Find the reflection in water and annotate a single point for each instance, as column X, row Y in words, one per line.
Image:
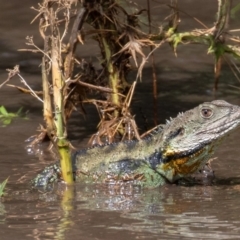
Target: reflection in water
column 2, row 213
column 52, row 214
column 101, row 212
column 172, row 211
column 67, row 207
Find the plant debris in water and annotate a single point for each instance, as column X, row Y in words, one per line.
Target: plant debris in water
column 7, row 117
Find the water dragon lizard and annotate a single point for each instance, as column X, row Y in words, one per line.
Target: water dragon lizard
column 173, row 151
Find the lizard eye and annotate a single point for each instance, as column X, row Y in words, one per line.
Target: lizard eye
column 206, row 112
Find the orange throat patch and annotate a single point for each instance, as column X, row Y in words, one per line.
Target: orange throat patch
column 188, row 164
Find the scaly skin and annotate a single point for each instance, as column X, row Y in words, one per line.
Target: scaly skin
column 175, row 150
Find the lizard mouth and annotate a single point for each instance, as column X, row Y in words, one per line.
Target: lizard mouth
column 222, row 130
column 187, row 162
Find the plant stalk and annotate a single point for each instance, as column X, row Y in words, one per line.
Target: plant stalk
column 58, row 98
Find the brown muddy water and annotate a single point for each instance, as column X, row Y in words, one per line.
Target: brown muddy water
column 90, row 212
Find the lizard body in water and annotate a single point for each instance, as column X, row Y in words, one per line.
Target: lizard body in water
column 173, row 151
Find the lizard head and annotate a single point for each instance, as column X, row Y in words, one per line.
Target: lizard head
column 189, row 140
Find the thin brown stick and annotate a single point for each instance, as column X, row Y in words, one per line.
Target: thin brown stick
column 98, row 88
column 154, row 75
column 69, row 60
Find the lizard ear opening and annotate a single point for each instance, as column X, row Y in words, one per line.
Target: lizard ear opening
column 179, row 132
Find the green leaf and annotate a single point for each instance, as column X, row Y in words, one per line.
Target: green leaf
column 12, row 115
column 19, row 112
column 234, row 11
column 2, row 187
column 6, row 121
column 3, row 111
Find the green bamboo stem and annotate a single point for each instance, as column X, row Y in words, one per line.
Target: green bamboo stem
column 58, row 86
column 112, row 71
